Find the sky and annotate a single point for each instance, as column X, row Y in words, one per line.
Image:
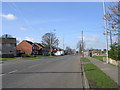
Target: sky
column 31, row 20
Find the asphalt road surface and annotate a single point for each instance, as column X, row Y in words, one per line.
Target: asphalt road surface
column 56, row 72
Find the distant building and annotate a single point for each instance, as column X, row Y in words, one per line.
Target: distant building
column 59, row 52
column 7, row 46
column 95, row 52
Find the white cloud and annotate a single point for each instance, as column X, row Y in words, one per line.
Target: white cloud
column 94, row 38
column 95, row 41
column 23, row 29
column 8, row 16
column 32, row 39
column 19, row 39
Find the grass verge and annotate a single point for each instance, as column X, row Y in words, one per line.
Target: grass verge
column 99, row 57
column 85, row 60
column 29, row 57
column 5, row 59
column 97, row 78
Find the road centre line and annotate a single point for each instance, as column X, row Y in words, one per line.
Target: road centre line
column 1, row 75
column 33, row 66
column 12, row 71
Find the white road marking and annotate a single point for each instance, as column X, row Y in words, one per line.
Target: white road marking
column 12, row 71
column 33, row 66
column 1, row 75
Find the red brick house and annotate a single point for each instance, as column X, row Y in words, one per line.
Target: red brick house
column 29, row 48
column 40, row 48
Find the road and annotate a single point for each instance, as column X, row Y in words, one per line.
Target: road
column 57, row 72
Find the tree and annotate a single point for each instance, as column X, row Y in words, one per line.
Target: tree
column 68, row 50
column 113, row 20
column 80, row 46
column 113, row 53
column 50, row 41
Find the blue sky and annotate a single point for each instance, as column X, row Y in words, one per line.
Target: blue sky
column 25, row 20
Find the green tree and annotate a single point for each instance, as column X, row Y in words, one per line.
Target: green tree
column 114, row 52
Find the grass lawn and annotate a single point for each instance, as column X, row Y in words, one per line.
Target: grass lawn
column 30, row 57
column 85, row 60
column 97, row 78
column 99, row 57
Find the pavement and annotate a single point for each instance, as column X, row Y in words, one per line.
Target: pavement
column 110, row 70
column 57, row 72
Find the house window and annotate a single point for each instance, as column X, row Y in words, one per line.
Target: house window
column 12, row 45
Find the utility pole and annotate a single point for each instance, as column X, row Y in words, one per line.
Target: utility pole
column 82, row 46
column 63, row 43
column 50, row 44
column 110, row 37
column 106, row 32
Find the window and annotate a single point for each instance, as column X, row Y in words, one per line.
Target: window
column 9, row 44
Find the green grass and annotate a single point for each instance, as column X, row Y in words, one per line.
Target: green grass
column 29, row 57
column 85, row 60
column 99, row 57
column 97, row 78
column 5, row 59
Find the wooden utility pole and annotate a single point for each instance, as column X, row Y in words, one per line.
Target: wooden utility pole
column 106, row 32
column 82, row 46
column 110, row 38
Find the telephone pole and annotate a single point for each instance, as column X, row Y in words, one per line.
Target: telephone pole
column 63, row 43
column 106, row 32
column 110, row 37
column 82, row 46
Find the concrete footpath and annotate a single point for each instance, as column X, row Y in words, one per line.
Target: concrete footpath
column 110, row 70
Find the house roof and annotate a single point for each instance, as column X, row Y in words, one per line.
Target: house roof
column 29, row 42
column 41, row 45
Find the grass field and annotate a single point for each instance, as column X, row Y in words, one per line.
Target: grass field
column 99, row 57
column 97, row 78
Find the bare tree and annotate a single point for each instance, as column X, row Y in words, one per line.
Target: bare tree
column 50, row 40
column 80, row 46
column 113, row 20
column 68, row 50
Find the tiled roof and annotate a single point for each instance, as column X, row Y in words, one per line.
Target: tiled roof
column 41, row 45
column 29, row 42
